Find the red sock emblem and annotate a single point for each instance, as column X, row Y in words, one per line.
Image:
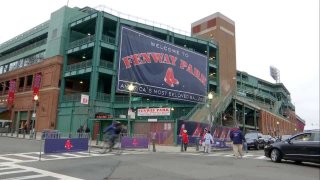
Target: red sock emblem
column 169, row 78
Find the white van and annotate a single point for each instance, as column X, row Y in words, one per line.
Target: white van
column 5, row 125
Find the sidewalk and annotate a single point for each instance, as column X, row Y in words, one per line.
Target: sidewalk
column 166, row 148
column 159, row 148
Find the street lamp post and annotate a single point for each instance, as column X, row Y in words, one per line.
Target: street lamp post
column 130, row 88
column 35, row 98
column 210, row 97
column 278, row 129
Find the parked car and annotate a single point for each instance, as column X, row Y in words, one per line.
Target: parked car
column 300, row 147
column 255, row 140
column 268, row 139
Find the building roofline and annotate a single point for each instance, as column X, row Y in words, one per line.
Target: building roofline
column 212, row 16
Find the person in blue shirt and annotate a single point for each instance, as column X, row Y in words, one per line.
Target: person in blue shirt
column 113, row 130
column 237, row 138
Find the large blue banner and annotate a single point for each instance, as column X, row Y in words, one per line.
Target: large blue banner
column 157, row 68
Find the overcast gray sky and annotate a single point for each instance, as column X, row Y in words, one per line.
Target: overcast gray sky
column 282, row 33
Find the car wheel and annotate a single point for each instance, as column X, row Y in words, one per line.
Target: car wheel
column 275, row 155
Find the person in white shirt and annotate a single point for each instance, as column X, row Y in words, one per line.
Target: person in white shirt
column 207, row 140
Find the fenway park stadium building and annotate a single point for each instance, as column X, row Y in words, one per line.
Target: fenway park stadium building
column 87, row 67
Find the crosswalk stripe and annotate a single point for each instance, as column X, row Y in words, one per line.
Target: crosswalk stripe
column 26, row 156
column 261, row 157
column 6, row 168
column 248, row 155
column 43, row 172
column 85, row 153
column 73, row 155
column 216, row 154
column 228, row 155
column 56, row 156
column 10, row 159
column 27, row 177
column 12, row 172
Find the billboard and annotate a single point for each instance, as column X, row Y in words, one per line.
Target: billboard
column 158, row 68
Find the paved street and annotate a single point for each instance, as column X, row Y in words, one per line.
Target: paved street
column 167, row 163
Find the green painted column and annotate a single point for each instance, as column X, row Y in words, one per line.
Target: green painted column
column 244, row 118
column 255, row 119
column 235, row 113
column 115, row 65
column 175, row 131
column 94, row 79
column 218, row 72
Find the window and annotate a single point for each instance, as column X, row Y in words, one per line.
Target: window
column 29, row 80
column 315, row 136
column 21, row 82
column 302, row 137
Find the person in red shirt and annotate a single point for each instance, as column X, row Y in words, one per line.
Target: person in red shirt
column 185, row 139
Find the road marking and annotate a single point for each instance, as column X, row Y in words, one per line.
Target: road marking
column 27, row 177
column 10, row 159
column 261, row 157
column 216, row 154
column 229, row 155
column 26, row 156
column 5, row 168
column 73, row 155
column 13, row 172
column 56, row 156
column 41, row 173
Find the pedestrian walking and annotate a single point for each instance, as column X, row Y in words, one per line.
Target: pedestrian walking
column 185, row 139
column 208, row 140
column 237, row 138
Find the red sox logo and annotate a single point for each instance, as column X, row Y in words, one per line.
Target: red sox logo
column 68, row 144
column 170, row 79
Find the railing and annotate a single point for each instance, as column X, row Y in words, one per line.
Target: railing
column 80, row 65
column 25, row 34
column 73, row 96
column 108, row 39
column 212, row 78
column 193, row 110
column 103, row 97
column 22, row 50
column 81, row 41
column 223, row 104
column 106, row 64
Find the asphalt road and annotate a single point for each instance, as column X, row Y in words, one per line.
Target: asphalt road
column 19, row 158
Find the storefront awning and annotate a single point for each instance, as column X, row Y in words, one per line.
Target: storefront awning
column 109, row 119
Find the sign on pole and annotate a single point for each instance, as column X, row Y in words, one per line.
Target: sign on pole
column 84, row 99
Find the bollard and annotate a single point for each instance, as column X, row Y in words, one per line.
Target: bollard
column 24, row 135
column 153, row 145
column 154, row 142
column 181, row 145
column 97, row 140
column 34, row 135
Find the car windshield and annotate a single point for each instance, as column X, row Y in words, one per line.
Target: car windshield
column 251, row 135
column 285, row 137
